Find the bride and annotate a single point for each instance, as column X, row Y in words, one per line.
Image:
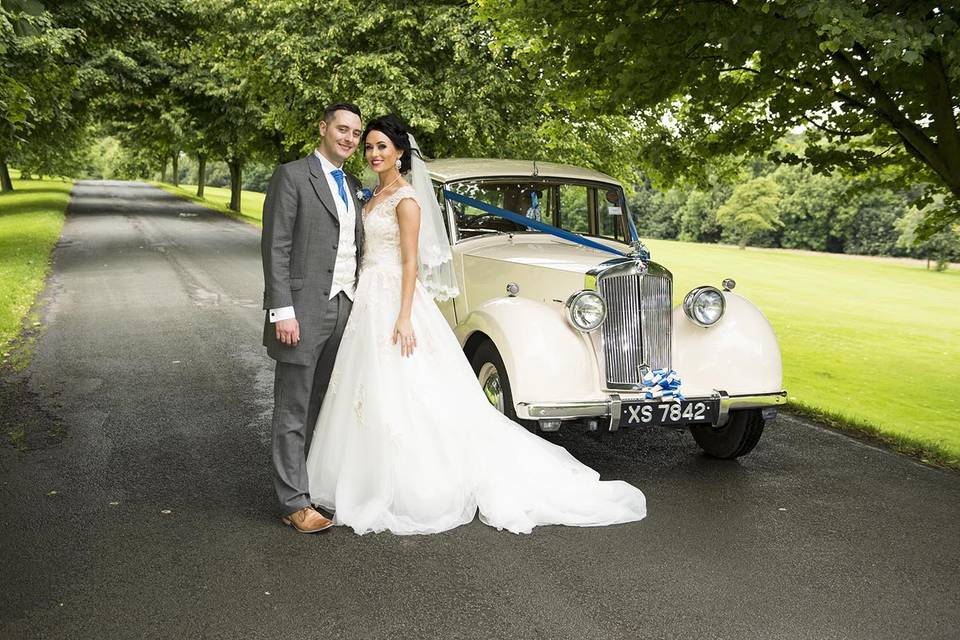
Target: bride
column 406, row 441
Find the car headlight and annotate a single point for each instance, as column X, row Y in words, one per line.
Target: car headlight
column 704, row 306
column 586, row 310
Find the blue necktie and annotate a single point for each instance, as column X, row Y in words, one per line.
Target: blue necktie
column 338, row 176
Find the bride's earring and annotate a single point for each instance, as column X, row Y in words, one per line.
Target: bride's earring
column 397, row 163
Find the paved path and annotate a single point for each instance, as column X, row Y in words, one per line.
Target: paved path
column 146, row 407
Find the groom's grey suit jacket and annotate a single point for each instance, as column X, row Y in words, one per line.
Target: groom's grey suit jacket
column 301, row 233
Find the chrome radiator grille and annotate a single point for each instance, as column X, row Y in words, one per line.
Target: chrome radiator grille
column 638, row 325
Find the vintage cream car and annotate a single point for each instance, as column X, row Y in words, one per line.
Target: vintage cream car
column 561, row 333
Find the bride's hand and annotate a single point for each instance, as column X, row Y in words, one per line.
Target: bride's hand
column 403, row 332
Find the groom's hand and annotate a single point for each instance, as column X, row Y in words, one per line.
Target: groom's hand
column 288, row 332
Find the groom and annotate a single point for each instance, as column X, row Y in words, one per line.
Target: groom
column 311, row 242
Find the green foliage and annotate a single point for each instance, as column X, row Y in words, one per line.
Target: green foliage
column 751, row 208
column 872, row 229
column 813, row 209
column 942, row 247
column 654, row 212
column 697, row 215
column 428, row 62
column 37, row 79
column 875, row 80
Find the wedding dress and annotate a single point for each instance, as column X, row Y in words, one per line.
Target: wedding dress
column 411, row 445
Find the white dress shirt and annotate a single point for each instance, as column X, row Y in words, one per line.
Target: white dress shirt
column 345, row 269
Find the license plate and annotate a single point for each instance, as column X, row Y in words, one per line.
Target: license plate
column 659, row 413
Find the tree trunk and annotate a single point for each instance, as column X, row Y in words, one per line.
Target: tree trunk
column 163, row 169
column 6, row 184
column 176, row 169
column 236, row 175
column 201, row 173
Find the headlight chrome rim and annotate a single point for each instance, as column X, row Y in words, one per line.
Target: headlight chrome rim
column 575, row 304
column 695, row 312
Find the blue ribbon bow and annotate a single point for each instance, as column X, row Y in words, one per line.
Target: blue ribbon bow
column 661, row 384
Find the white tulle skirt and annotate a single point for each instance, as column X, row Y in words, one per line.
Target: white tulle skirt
column 412, row 446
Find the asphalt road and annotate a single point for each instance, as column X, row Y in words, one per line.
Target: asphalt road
column 144, row 509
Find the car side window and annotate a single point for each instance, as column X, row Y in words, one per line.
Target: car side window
column 610, row 213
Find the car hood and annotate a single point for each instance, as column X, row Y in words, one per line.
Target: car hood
column 539, row 250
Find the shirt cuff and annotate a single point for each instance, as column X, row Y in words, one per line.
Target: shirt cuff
column 283, row 313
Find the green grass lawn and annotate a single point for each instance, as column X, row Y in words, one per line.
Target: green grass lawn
column 871, row 342
column 31, row 217
column 251, row 202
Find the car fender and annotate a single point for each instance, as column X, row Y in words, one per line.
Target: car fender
column 739, row 354
column 546, row 358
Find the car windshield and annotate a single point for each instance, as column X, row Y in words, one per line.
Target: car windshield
column 587, row 208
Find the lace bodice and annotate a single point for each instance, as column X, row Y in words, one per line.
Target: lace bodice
column 382, row 232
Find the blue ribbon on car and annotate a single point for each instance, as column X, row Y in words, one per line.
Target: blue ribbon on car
column 535, row 224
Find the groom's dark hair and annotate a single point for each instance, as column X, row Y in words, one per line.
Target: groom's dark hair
column 340, row 106
column 392, row 127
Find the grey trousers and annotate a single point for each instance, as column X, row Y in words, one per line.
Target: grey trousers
column 298, row 392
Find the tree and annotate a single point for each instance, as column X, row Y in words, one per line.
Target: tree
column 36, row 84
column 943, row 247
column 751, row 208
column 429, row 62
column 876, row 79
column 225, row 116
column 814, row 209
column 697, row 216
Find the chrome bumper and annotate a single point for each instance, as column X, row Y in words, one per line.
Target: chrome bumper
column 611, row 407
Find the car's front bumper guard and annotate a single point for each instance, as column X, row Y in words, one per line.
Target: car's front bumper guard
column 558, row 411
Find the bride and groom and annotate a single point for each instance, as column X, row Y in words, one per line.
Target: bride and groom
column 403, row 438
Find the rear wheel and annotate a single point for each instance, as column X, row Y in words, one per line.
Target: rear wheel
column 492, row 375
column 736, row 438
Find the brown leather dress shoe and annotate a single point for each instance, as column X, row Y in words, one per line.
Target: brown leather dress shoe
column 307, row 520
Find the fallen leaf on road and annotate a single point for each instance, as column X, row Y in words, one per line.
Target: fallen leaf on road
column 166, row 512
column 52, row 493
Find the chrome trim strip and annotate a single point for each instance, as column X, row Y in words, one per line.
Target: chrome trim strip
column 610, row 406
column 757, row 401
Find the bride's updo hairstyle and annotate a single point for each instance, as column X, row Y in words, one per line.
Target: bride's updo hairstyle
column 392, row 127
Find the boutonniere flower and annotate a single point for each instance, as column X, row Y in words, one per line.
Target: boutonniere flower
column 364, row 194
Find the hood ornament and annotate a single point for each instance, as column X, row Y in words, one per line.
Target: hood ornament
column 639, row 251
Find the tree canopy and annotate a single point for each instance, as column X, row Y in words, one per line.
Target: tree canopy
column 697, row 93
column 876, row 80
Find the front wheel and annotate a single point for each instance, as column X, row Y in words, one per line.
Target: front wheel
column 736, row 438
column 492, row 375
